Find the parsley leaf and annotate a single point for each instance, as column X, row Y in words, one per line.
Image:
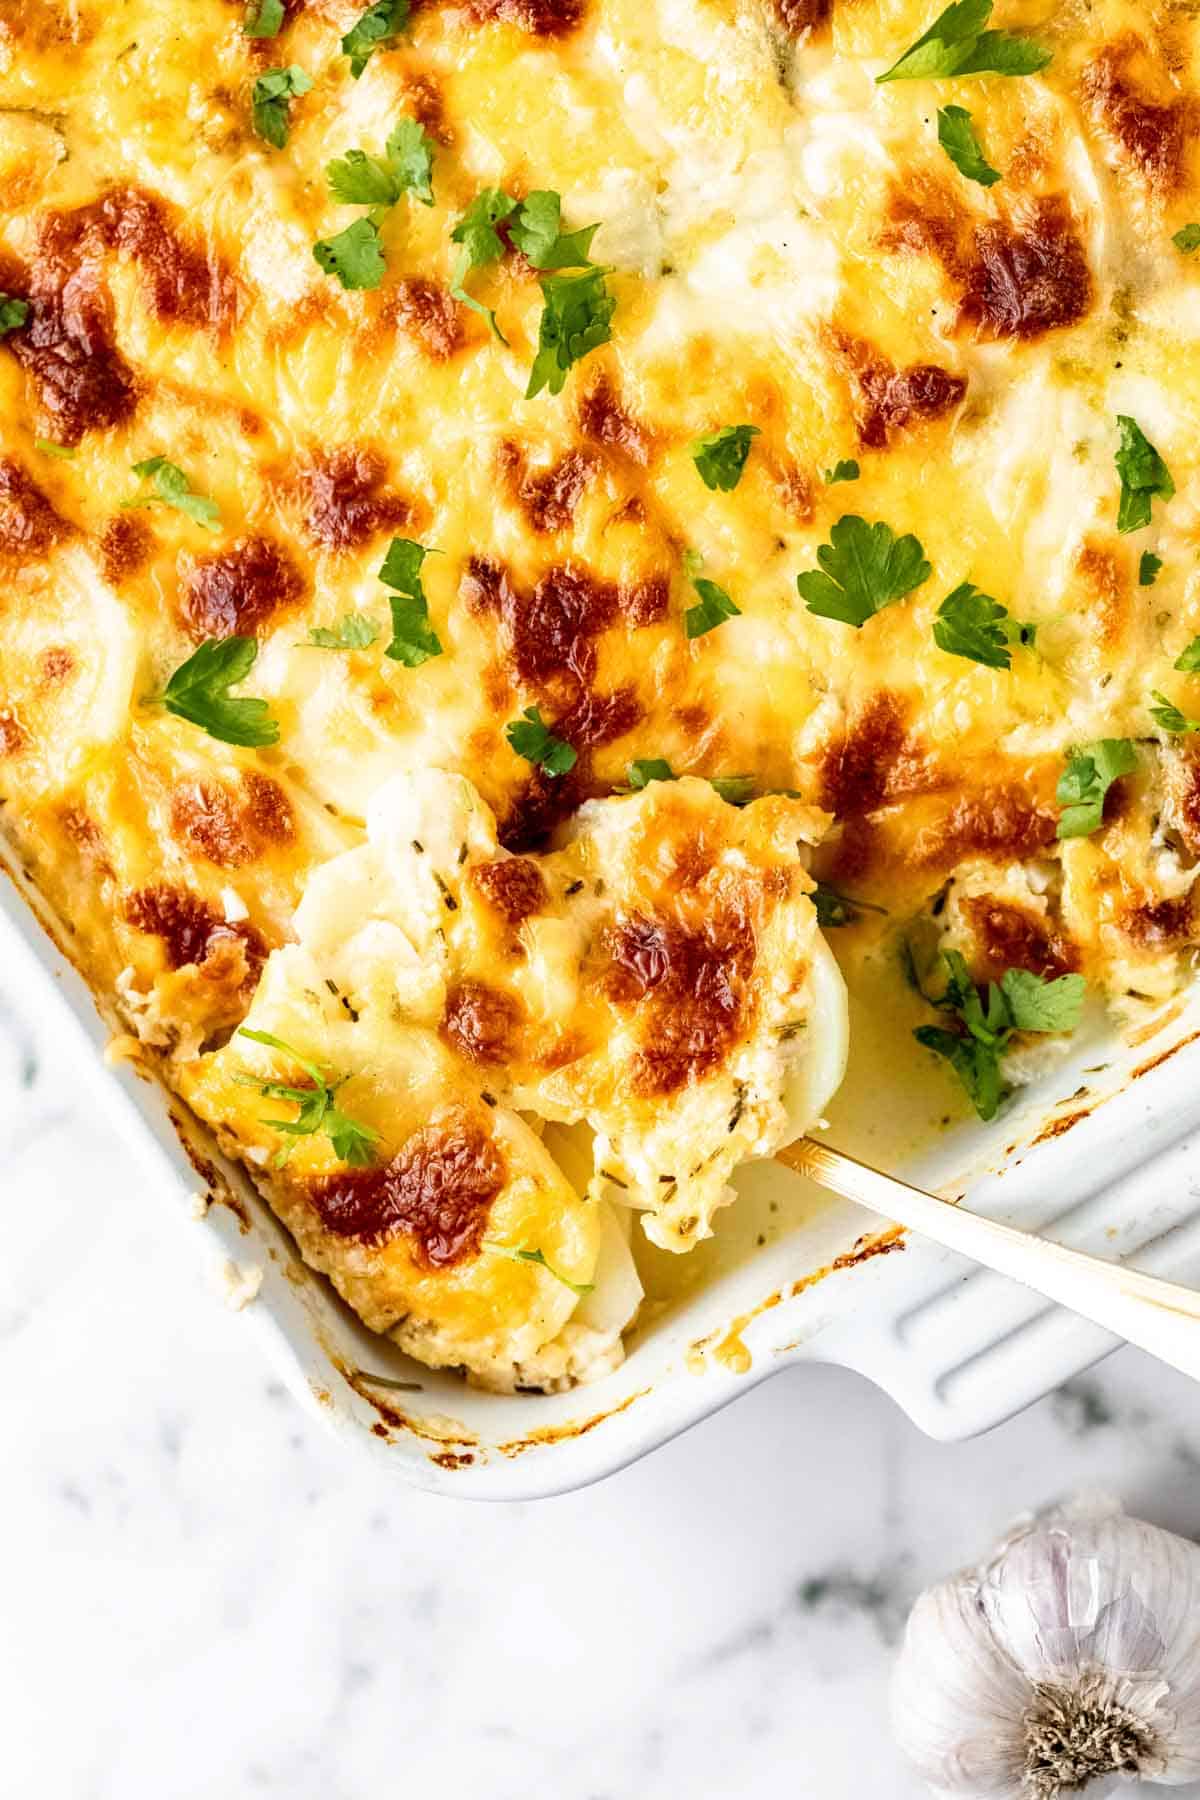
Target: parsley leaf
column 648, row 769
column 355, row 255
column 735, row 790
column 712, row 609
column 960, row 141
column 531, row 739
column 172, row 489
column 481, row 244
column 974, row 625
column 1148, row 568
column 537, row 232
column 576, row 317
column 1188, row 660
column 986, row 1022
column 1143, row 474
column 721, row 457
column 372, row 31
column 414, row 641
column 198, row 691
column 536, row 1256
column 316, row 1107
column 1187, row 239
column 847, row 470
column 13, row 313
column 353, row 632
column 863, row 569
column 264, row 19
column 271, row 99
column 1168, row 715
column 1090, row 772
column 834, row 909
column 957, row 44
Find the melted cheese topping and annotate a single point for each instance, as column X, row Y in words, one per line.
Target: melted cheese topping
column 790, row 249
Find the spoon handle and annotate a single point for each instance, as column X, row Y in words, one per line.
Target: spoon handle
column 1158, row 1316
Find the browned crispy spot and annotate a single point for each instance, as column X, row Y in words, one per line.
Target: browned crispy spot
column 646, row 602
column 595, row 719
column 1106, row 576
column 798, row 16
column 860, row 770
column 1000, row 821
column 191, row 930
column 238, row 590
column 1030, row 278
column 689, row 986
column 427, row 106
column 1150, row 123
column 482, row 1023
column 552, row 632
column 268, row 809
column 58, row 664
column 438, row 1191
column 85, row 834
column 1008, row 936
column 513, row 886
column 1187, row 799
column 183, row 284
column 548, row 497
column 426, row 312
column 29, row 525
column 346, row 507
column 795, row 488
column 888, row 399
column 206, row 816
column 541, row 18
column 544, row 802
column 603, row 419
column 125, row 547
column 66, row 347
column 1160, row 924
column 12, row 732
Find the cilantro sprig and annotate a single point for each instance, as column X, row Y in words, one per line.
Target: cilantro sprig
column 1090, row 772
column 316, row 1106
column 13, row 313
column 537, row 232
column 957, row 44
column 1187, row 239
column 863, row 569
column 520, row 1254
column 271, row 101
column 531, row 738
column 374, row 30
column 987, row 1020
column 198, row 691
column 576, row 319
column 960, row 141
column 1170, row 717
column 353, row 631
column 480, row 244
column 414, row 641
column 720, row 457
column 1149, row 567
column 835, row 910
column 263, row 19
column 172, row 488
column 713, row 606
column 1188, row 659
column 356, row 255
column 1144, row 476
column 845, row 470
column 972, row 624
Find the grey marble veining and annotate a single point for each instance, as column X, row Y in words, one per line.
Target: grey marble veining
column 203, row 1597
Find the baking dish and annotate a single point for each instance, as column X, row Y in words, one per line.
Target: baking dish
column 1097, row 1154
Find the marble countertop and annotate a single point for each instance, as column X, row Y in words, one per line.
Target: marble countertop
column 202, row 1597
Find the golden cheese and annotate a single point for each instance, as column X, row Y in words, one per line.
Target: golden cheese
column 789, row 248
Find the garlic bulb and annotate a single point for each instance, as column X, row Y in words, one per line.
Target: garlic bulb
column 1070, row 1657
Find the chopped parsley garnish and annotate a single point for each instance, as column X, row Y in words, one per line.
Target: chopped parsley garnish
column 576, row 316
column 712, row 609
column 648, row 769
column 1144, row 475
column 13, row 313
column 835, row 910
column 986, row 1021
column 974, row 625
column 537, row 233
column 1188, row 659
column 316, row 1106
column 172, row 489
column 264, row 19
column 271, row 99
column 414, row 640
column 960, row 141
column 1148, row 568
column 373, row 31
column 49, row 448
column 721, row 457
column 1168, row 715
column 481, row 244
column 1187, row 239
column 1090, row 772
column 354, row 631
column 735, row 790
column 956, row 44
column 198, row 691
column 863, row 569
column 355, row 255
column 536, row 1256
column 846, row 470
column 530, row 738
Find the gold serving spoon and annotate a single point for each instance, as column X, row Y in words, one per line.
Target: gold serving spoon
column 1158, row 1316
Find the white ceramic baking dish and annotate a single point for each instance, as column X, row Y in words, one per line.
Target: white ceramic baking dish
column 1099, row 1155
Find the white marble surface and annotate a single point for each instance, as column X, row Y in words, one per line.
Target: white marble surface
column 201, row 1598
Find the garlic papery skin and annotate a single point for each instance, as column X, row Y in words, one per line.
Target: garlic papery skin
column 1067, row 1661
